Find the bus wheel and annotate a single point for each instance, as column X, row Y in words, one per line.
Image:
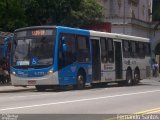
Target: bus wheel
column 136, row 77
column 80, row 80
column 129, row 80
column 40, row 87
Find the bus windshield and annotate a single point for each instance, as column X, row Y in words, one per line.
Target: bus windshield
column 34, row 51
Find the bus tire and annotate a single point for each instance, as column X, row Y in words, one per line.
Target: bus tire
column 136, row 77
column 40, row 88
column 129, row 80
column 80, row 80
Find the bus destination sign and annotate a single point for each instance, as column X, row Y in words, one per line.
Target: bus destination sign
column 38, row 32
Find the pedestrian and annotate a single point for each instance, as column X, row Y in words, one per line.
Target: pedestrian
column 2, row 79
column 5, row 73
column 155, row 68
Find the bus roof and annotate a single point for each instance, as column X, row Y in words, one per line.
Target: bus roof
column 59, row 28
column 92, row 32
column 49, row 27
column 34, row 27
column 117, row 36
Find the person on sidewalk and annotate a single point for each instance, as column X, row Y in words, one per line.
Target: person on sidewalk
column 4, row 72
column 155, row 68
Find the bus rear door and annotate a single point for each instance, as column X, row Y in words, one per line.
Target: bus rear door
column 96, row 64
column 118, row 59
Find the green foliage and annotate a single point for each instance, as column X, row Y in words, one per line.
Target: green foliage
column 87, row 12
column 11, row 15
column 21, row 13
column 156, row 10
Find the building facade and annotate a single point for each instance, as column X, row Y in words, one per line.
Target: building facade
column 132, row 17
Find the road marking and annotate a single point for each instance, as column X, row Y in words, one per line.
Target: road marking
column 148, row 111
column 80, row 100
column 157, row 111
column 15, row 97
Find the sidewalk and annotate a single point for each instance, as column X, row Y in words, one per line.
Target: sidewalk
column 10, row 88
column 156, row 78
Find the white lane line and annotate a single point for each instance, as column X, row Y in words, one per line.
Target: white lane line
column 15, row 97
column 80, row 100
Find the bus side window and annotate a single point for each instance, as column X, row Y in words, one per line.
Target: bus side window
column 67, row 57
column 104, row 50
column 147, row 49
column 133, row 49
column 141, row 50
column 83, row 52
column 110, row 50
column 126, row 49
column 137, row 50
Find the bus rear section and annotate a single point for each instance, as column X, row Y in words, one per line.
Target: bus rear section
column 47, row 56
column 119, row 58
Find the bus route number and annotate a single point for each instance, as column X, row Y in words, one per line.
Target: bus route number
column 38, row 32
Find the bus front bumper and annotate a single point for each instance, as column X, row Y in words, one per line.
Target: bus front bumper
column 30, row 81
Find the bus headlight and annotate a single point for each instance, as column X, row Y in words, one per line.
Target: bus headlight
column 50, row 71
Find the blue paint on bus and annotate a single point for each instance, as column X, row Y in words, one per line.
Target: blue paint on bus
column 67, row 75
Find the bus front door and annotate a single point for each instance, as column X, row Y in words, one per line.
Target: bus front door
column 96, row 64
column 118, row 60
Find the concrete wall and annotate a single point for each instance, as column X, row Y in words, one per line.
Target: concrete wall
column 131, row 17
column 139, row 9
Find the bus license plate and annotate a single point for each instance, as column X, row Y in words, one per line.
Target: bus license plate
column 31, row 82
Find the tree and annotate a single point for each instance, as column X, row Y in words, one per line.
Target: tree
column 62, row 12
column 11, row 15
column 156, row 14
column 20, row 13
column 156, row 10
column 87, row 12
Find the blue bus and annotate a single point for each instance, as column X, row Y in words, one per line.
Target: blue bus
column 5, row 46
column 51, row 55
column 47, row 56
column 1, row 51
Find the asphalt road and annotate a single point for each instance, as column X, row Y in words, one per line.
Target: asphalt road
column 142, row 99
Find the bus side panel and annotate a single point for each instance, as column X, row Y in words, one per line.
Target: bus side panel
column 67, row 75
column 67, row 72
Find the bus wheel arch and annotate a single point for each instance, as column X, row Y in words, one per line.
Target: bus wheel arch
column 80, row 79
column 129, row 80
column 136, row 75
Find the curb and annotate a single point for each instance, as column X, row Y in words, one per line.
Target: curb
column 9, row 88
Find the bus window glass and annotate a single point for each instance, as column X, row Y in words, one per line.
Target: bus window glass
column 133, row 49
column 83, row 54
column 141, row 50
column 147, row 49
column 110, row 50
column 69, row 57
column 34, row 51
column 104, row 51
column 126, row 49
